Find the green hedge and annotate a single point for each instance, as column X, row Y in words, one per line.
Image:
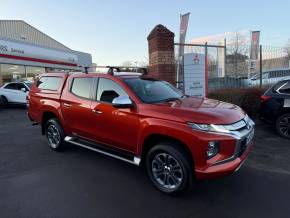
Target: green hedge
column 248, row 99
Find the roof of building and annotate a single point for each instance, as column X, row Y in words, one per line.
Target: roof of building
column 19, row 30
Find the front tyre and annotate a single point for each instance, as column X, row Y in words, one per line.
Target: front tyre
column 3, row 101
column 169, row 168
column 283, row 125
column 54, row 134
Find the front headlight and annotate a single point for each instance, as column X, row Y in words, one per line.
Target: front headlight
column 208, row 127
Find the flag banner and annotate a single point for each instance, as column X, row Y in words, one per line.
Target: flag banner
column 255, row 37
column 183, row 29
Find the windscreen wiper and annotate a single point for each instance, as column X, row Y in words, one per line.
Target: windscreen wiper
column 170, row 99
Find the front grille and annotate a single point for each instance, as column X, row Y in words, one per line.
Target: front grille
column 244, row 142
column 243, row 132
column 243, row 147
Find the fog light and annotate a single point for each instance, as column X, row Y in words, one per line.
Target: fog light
column 213, row 149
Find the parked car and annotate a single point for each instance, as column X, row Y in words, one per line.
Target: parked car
column 275, row 107
column 269, row 77
column 14, row 92
column 145, row 122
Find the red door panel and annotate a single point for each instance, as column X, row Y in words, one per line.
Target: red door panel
column 116, row 127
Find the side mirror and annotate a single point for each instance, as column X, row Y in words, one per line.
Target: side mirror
column 122, row 102
column 23, row 89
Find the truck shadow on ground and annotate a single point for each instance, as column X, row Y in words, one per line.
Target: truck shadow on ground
column 247, row 188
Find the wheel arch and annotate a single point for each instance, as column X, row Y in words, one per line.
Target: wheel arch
column 282, row 111
column 3, row 96
column 46, row 115
column 154, row 139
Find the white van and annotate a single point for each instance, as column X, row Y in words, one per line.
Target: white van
column 269, row 77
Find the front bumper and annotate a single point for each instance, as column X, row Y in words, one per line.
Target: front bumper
column 224, row 169
column 227, row 166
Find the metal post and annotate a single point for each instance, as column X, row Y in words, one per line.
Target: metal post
column 225, row 53
column 206, row 70
column 1, row 78
column 177, row 72
column 25, row 72
column 181, row 68
column 261, row 66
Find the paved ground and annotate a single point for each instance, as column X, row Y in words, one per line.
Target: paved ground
column 37, row 182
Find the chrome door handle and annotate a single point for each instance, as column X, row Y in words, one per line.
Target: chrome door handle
column 66, row 105
column 97, row 111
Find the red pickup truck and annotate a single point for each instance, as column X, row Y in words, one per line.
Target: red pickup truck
column 142, row 121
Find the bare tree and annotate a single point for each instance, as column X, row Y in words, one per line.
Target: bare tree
column 135, row 63
column 288, row 49
column 212, row 65
column 237, row 54
column 128, row 64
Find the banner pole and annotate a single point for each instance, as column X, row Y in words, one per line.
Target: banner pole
column 261, row 67
column 206, row 70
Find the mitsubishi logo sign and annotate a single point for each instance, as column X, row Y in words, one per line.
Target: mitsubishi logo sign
column 195, row 82
column 196, row 59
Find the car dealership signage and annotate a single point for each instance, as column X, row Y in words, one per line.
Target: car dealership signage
column 20, row 51
column 195, row 75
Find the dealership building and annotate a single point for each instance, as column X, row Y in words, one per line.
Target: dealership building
column 26, row 52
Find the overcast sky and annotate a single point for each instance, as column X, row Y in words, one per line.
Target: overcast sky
column 116, row 31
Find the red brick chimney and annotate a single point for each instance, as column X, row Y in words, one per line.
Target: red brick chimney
column 161, row 54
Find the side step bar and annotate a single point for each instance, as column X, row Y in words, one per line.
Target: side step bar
column 132, row 160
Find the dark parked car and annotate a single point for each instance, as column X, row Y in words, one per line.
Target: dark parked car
column 275, row 107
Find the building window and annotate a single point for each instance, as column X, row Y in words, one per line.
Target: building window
column 32, row 72
column 13, row 73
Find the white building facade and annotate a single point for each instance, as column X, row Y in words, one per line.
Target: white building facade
column 26, row 52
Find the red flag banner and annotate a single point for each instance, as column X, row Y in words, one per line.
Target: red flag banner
column 183, row 29
column 255, row 38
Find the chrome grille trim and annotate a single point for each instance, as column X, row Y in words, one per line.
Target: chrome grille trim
column 240, row 135
column 236, row 126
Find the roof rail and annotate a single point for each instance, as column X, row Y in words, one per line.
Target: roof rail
column 112, row 69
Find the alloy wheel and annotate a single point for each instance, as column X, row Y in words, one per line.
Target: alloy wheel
column 53, row 136
column 284, row 126
column 167, row 171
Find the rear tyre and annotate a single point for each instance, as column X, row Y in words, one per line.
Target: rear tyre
column 283, row 125
column 3, row 101
column 169, row 168
column 54, row 134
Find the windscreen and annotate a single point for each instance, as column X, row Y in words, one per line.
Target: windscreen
column 153, row 91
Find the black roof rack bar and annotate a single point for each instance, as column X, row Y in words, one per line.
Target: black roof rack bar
column 118, row 68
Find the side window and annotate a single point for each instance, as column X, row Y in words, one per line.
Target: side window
column 265, row 76
column 41, row 83
column 21, row 86
column 82, row 87
column 11, row 86
column 108, row 90
column 49, row 82
column 285, row 88
column 273, row 74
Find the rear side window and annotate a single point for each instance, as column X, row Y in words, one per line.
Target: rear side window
column 82, row 87
column 285, row 89
column 49, row 83
column 11, row 86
